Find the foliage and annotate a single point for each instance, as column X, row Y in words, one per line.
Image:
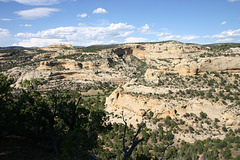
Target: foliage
column 222, row 46
column 203, row 115
column 60, row 117
column 96, row 48
column 14, row 58
column 5, row 101
column 69, row 121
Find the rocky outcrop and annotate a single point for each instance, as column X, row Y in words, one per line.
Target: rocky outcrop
column 230, row 64
column 171, row 49
column 235, row 50
column 57, row 65
column 53, row 51
column 214, row 64
column 71, row 65
column 58, row 47
column 136, row 99
column 152, row 75
column 190, row 68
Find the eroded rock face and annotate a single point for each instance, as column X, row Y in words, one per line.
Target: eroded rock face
column 191, row 67
column 215, row 64
column 93, row 67
column 126, row 61
column 152, row 75
column 230, row 64
column 170, row 49
column 70, row 65
column 136, row 99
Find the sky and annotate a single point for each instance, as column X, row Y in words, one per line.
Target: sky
column 39, row 23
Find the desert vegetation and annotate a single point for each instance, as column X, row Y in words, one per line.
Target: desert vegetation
column 67, row 102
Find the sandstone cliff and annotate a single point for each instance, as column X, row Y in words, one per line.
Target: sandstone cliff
column 167, row 78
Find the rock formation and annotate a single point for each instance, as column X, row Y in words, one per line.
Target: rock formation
column 166, row 78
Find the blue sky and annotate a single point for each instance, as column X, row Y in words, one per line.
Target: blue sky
column 89, row 22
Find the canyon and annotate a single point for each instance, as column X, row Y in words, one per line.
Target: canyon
column 159, row 79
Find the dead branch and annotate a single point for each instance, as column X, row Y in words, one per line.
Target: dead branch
column 164, row 150
column 135, row 142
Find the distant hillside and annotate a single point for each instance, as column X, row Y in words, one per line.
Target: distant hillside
column 12, row 47
column 222, row 46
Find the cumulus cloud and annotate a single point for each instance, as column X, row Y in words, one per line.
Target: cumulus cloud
column 100, row 11
column 223, row 23
column 25, row 25
column 36, row 13
column 120, row 26
column 135, row 39
column 144, row 29
column 83, row 15
column 80, row 35
column 34, row 2
column 225, row 36
column 38, row 42
column 124, row 34
column 42, row 42
column 170, row 36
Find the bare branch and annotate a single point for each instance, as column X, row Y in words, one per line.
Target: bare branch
column 165, row 148
column 124, row 134
column 79, row 99
column 138, row 131
column 135, row 140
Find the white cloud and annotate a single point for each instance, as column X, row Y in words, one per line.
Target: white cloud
column 223, row 23
column 224, row 40
column 124, row 35
column 82, row 24
column 36, row 13
column 6, row 19
column 4, row 32
column 113, row 42
column 120, row 26
column 227, row 34
column 25, row 25
column 233, row 0
column 170, row 36
column 5, row 37
column 42, row 42
column 144, row 29
column 135, row 39
column 38, row 42
column 34, row 2
column 100, row 11
column 83, row 15
column 80, row 35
